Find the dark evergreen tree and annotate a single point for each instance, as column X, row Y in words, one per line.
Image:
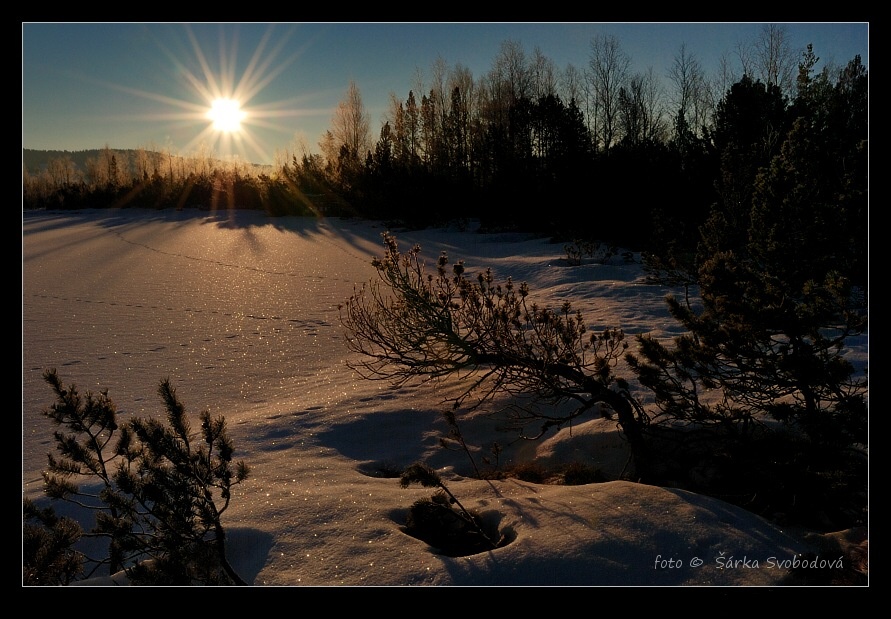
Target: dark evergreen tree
column 163, row 489
column 750, row 126
column 48, row 555
column 767, row 343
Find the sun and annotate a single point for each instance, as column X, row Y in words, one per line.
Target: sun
column 226, row 115
column 226, row 97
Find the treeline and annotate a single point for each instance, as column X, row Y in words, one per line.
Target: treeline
column 160, row 179
column 595, row 154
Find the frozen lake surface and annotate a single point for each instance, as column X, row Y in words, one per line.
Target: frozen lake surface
column 240, row 312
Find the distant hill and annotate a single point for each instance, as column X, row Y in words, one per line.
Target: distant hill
column 36, row 160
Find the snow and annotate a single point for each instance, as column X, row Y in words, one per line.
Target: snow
column 240, row 312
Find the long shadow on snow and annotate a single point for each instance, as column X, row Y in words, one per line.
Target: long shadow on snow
column 385, row 442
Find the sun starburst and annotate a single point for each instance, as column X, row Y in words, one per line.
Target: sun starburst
column 226, row 115
column 225, row 106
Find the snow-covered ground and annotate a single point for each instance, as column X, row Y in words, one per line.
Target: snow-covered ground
column 240, row 312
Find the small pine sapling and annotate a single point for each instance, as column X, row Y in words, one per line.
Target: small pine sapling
column 163, row 489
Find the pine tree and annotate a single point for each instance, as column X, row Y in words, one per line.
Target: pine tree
column 410, row 324
column 48, row 555
column 776, row 310
column 163, row 489
column 776, row 294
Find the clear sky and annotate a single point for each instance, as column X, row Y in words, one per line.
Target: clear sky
column 149, row 85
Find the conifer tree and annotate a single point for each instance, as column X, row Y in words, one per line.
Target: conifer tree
column 48, row 555
column 776, row 309
column 410, row 324
column 163, row 489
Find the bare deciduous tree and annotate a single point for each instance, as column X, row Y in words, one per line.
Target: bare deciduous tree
column 543, row 75
column 572, row 85
column 350, row 127
column 607, row 74
column 690, row 96
column 506, row 82
column 62, row 171
column 776, row 62
column 641, row 110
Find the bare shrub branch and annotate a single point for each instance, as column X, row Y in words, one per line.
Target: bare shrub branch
column 410, row 325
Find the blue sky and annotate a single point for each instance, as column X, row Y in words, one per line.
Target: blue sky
column 131, row 85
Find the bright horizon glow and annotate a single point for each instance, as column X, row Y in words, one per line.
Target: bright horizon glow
column 219, row 103
column 226, row 115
